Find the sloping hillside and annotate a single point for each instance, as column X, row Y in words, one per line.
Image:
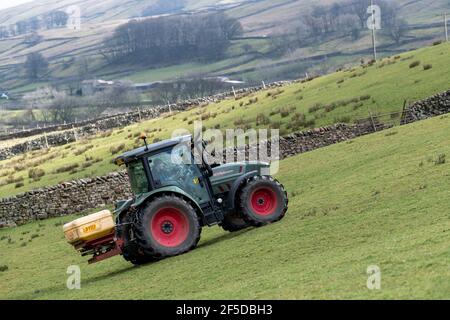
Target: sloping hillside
column 377, row 200
column 100, row 11
column 258, row 16
column 339, row 97
column 67, row 50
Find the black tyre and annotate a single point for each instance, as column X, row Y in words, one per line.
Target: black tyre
column 130, row 249
column 263, row 200
column 166, row 227
column 233, row 223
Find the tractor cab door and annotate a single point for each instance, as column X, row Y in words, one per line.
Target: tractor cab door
column 176, row 167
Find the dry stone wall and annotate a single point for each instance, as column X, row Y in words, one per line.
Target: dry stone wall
column 436, row 105
column 63, row 134
column 147, row 112
column 64, row 199
column 76, row 196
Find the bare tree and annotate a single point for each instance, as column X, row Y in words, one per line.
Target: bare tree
column 63, row 107
column 35, row 65
column 312, row 25
column 4, row 32
column 55, row 19
column 22, row 27
column 34, row 23
column 123, row 93
column 394, row 27
column 41, row 99
column 359, row 8
column 397, row 30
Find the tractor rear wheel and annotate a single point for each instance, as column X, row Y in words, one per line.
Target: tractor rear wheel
column 263, row 200
column 166, row 227
column 233, row 223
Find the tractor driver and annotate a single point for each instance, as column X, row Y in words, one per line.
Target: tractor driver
column 160, row 171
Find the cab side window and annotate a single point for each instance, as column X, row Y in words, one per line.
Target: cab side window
column 167, row 171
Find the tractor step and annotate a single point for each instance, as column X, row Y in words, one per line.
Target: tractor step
column 212, row 218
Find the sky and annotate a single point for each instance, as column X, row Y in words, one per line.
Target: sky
column 11, row 3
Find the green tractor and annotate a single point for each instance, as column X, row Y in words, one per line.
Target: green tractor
column 175, row 196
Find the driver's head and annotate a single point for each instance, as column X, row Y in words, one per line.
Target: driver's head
column 158, row 164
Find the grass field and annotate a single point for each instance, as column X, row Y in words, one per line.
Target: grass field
column 340, row 97
column 376, row 200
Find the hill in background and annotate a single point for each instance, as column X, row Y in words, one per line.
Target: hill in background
column 255, row 57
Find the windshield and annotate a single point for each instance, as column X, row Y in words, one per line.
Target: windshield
column 138, row 179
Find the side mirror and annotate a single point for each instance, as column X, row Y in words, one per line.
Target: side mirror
column 143, row 136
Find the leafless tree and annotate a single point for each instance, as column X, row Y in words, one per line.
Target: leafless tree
column 394, row 27
column 359, row 8
column 62, row 108
column 4, row 32
column 35, row 65
column 55, row 19
column 41, row 99
column 166, row 40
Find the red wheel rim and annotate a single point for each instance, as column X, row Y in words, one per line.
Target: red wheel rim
column 264, row 201
column 170, row 227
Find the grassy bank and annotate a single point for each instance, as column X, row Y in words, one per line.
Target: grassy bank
column 377, row 200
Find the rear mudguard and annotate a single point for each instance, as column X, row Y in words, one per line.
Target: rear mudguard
column 124, row 206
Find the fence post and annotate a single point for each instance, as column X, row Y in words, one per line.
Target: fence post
column 373, row 121
column 75, row 133
column 403, row 119
column 46, row 140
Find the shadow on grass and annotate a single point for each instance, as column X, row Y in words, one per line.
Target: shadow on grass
column 54, row 290
column 60, row 288
column 223, row 237
column 110, row 274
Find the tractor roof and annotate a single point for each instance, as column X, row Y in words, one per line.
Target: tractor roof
column 135, row 154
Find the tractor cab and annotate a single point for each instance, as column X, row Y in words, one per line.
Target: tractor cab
column 169, row 166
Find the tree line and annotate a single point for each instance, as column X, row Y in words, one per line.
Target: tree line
column 173, row 39
column 59, row 106
column 350, row 17
column 50, row 20
column 342, row 19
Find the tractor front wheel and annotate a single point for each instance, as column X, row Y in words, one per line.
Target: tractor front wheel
column 166, row 227
column 263, row 200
